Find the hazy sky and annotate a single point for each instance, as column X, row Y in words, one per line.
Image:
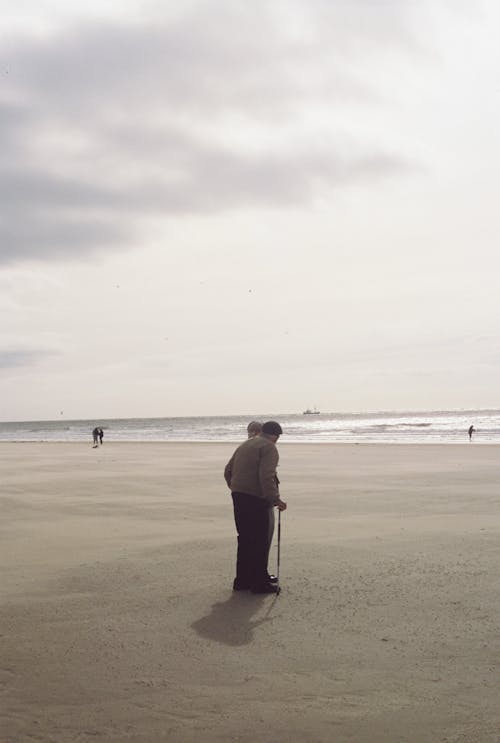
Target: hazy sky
column 226, row 206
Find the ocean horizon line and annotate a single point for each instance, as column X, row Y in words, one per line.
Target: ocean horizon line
column 389, row 427
column 340, row 413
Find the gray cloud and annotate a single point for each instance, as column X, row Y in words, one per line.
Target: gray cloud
column 22, row 358
column 244, row 56
column 58, row 237
column 102, row 121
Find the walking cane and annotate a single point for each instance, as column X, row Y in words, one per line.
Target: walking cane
column 278, row 587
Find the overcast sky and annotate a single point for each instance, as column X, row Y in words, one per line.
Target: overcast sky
column 216, row 207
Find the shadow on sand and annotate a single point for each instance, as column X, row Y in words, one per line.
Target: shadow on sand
column 230, row 622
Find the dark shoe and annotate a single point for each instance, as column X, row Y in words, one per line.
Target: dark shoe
column 267, row 588
column 272, row 578
column 238, row 586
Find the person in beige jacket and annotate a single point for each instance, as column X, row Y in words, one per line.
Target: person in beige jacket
column 251, row 476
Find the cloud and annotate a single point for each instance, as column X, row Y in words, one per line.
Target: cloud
column 23, row 358
column 110, row 123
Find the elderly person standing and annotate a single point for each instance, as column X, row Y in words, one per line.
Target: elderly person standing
column 251, row 476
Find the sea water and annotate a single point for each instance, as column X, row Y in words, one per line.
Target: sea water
column 431, row 427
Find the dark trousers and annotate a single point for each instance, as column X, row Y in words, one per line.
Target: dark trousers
column 252, row 519
column 270, row 531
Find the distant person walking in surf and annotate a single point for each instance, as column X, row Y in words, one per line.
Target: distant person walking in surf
column 471, row 431
column 97, row 435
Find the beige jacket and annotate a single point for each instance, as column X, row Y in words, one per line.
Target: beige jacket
column 252, row 469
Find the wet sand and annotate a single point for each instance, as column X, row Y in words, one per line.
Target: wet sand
column 118, row 622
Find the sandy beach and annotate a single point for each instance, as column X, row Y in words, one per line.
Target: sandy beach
column 118, row 622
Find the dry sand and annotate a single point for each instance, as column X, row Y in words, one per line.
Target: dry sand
column 118, row 623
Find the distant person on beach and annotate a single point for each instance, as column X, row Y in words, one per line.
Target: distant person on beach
column 251, row 476
column 97, row 435
column 254, row 428
column 471, row 431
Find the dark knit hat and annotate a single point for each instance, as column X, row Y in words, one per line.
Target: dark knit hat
column 272, row 428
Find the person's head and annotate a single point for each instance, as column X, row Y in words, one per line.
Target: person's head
column 253, row 429
column 271, row 430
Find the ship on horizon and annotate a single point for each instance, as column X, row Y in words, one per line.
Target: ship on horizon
column 308, row 411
